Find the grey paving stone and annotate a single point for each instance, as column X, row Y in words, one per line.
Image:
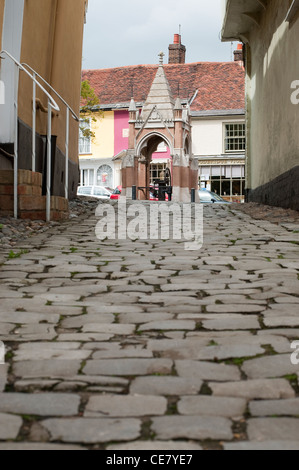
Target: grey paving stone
column 37, row 446
column 72, row 268
column 247, row 322
column 286, row 309
column 207, row 371
column 41, row 404
column 125, row 406
column 3, row 376
column 123, row 353
column 47, row 368
column 275, row 407
column 87, row 337
column 201, row 348
column 273, row 429
column 266, row 445
column 100, row 380
column 254, row 389
column 168, row 325
column 283, row 332
column 212, row 406
column 237, row 308
column 9, row 426
column 270, row 366
column 192, row 427
column 93, row 431
column 33, row 332
column 124, row 367
column 155, row 445
column 82, row 320
column 46, row 351
column 34, row 385
column 167, row 386
column 273, row 322
column 218, row 260
column 22, row 318
column 6, row 328
column 115, row 329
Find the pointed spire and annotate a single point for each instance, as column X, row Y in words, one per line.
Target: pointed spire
column 160, row 95
column 132, row 108
column 178, row 105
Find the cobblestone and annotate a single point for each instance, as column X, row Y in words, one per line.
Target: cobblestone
column 192, row 427
column 131, row 405
column 92, row 431
column 142, row 345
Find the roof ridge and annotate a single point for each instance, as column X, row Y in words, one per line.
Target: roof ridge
column 157, row 65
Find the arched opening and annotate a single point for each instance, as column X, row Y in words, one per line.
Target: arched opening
column 105, row 176
column 154, row 167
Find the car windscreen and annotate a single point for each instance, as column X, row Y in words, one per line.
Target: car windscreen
column 205, row 196
column 85, row 190
column 100, row 192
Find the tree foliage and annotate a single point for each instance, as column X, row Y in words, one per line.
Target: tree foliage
column 89, row 101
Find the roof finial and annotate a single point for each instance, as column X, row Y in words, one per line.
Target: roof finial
column 161, row 55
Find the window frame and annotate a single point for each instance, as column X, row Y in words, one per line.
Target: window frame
column 235, row 137
column 86, row 140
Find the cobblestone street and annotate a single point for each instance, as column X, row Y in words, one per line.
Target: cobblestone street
column 143, row 345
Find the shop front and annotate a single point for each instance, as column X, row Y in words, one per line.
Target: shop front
column 226, row 178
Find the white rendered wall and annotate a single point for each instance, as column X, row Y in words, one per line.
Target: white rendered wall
column 11, row 42
column 208, row 135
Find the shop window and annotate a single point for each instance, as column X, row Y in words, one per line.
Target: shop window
column 226, row 180
column 105, row 176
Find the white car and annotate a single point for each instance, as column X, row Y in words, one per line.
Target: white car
column 98, row 192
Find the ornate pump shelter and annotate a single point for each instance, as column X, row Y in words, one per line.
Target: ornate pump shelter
column 162, row 120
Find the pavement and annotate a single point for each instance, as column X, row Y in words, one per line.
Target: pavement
column 135, row 345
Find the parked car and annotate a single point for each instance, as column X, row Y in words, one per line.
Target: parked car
column 208, row 197
column 116, row 193
column 98, row 192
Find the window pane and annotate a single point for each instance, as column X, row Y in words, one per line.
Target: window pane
column 84, row 141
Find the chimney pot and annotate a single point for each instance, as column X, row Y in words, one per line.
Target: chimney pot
column 177, row 39
column 177, row 51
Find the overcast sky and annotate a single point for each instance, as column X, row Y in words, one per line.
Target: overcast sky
column 133, row 32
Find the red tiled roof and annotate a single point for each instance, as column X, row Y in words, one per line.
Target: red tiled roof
column 221, row 86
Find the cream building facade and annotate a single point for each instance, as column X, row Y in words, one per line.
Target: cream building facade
column 269, row 30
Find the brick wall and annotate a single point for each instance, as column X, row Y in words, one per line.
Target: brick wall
column 177, row 54
column 31, row 202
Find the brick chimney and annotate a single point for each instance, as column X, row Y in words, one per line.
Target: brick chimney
column 177, row 52
column 238, row 54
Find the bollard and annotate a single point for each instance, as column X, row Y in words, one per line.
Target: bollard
column 192, row 195
column 134, row 193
